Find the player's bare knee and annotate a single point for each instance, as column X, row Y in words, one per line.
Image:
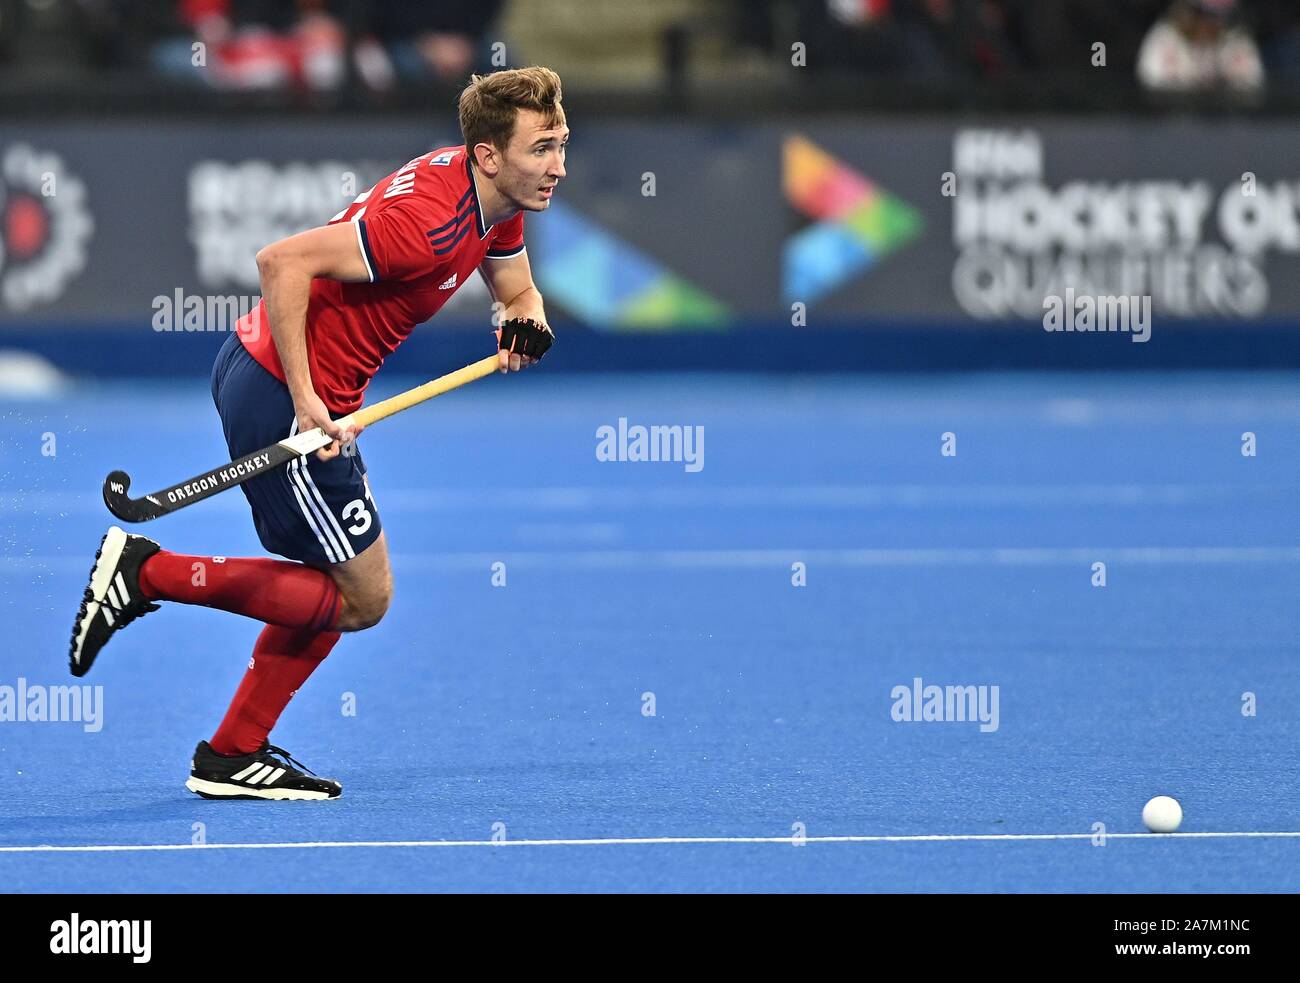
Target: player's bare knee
column 376, row 608
column 361, row 613
column 359, row 617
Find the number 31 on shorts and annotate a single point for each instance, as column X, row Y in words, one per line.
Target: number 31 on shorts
column 356, row 510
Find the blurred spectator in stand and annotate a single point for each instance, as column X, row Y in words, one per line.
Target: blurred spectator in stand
column 1197, row 47
column 862, row 36
column 1059, row 36
column 257, row 44
column 1278, row 30
column 425, row 42
column 987, row 46
column 909, row 39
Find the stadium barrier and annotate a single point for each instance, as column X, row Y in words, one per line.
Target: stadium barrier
column 784, row 244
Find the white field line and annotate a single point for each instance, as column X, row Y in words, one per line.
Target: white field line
column 646, row 841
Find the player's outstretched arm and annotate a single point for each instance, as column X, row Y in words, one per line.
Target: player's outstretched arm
column 287, row 268
column 511, row 283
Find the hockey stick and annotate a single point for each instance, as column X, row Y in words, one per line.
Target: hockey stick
column 205, row 485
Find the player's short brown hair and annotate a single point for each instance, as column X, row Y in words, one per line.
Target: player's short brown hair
column 490, row 103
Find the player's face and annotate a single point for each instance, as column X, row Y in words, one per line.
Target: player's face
column 533, row 163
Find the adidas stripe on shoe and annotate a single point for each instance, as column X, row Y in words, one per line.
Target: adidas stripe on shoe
column 112, row 599
column 268, row 773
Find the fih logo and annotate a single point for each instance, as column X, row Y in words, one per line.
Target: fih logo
column 45, row 225
column 857, row 223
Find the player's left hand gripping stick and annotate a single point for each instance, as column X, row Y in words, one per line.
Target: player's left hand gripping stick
column 524, row 336
column 205, row 485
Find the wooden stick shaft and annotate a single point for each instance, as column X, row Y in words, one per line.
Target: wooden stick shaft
column 435, row 387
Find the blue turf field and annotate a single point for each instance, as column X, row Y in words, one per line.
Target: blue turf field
column 522, row 705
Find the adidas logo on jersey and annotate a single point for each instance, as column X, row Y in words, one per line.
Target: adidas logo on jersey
column 448, row 283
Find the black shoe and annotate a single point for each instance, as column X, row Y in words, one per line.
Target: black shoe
column 112, row 599
column 259, row 775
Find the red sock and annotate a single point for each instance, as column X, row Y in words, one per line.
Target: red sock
column 277, row 592
column 282, row 660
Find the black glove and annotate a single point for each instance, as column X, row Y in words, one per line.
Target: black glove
column 524, row 336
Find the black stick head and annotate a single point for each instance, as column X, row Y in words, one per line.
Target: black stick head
column 116, row 486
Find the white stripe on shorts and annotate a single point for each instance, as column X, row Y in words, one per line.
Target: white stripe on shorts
column 308, row 507
column 338, row 530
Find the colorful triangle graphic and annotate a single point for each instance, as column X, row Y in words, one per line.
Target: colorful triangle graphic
column 610, row 284
column 857, row 223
